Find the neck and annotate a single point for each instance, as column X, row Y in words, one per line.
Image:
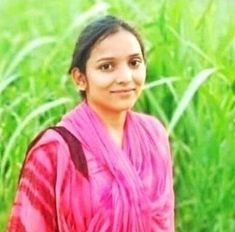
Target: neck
column 113, row 120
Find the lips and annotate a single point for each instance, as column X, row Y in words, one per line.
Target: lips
column 122, row 90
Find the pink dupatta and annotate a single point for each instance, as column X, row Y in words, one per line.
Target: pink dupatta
column 136, row 191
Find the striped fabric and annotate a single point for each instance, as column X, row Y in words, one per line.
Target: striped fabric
column 128, row 189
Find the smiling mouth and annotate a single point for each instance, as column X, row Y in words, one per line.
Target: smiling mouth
column 122, row 90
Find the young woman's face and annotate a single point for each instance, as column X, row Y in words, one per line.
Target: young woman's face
column 115, row 73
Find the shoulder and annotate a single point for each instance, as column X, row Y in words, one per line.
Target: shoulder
column 46, row 146
column 155, row 134
column 152, row 124
column 43, row 139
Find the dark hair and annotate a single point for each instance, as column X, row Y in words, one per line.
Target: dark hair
column 97, row 31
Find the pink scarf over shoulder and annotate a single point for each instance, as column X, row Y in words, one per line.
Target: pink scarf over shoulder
column 135, row 190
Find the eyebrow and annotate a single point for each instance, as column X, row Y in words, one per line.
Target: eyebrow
column 111, row 58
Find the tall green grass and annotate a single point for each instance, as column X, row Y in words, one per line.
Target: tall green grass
column 190, row 87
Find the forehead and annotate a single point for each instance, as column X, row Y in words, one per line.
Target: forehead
column 119, row 44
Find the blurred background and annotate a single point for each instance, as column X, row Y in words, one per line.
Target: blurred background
column 190, row 87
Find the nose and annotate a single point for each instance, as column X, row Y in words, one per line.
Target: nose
column 124, row 74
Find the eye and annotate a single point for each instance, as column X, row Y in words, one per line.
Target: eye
column 106, row 67
column 135, row 63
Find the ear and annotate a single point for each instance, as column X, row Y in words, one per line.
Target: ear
column 79, row 79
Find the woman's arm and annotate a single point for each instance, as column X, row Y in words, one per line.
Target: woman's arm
column 34, row 208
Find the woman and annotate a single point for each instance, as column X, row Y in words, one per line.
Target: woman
column 123, row 177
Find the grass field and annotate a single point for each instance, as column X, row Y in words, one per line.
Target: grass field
column 190, row 87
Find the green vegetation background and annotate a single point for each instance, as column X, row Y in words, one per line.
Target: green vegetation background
column 191, row 88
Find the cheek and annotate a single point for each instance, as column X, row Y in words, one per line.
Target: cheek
column 96, row 81
column 140, row 76
column 104, row 82
column 99, row 81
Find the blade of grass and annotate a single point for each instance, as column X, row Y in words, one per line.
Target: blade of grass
column 155, row 107
column 4, row 83
column 98, row 9
column 204, row 14
column 42, row 126
column 15, row 103
column 194, row 85
column 36, row 43
column 191, row 45
column 162, row 81
column 35, row 113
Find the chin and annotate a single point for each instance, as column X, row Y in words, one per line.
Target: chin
column 124, row 107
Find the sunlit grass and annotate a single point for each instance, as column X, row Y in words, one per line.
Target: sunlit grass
column 190, row 87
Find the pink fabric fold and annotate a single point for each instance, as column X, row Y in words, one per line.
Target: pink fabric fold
column 130, row 189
